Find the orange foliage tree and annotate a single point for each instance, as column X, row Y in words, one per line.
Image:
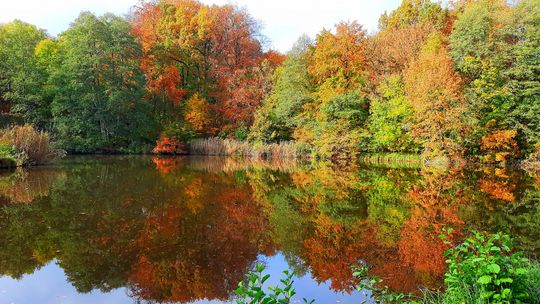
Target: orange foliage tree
column 391, row 51
column 247, row 87
column 193, row 48
column 434, row 90
column 337, row 63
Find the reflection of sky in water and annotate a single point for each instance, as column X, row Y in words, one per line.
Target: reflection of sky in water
column 49, row 285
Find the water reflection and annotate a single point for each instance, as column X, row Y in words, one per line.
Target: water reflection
column 23, row 187
column 185, row 229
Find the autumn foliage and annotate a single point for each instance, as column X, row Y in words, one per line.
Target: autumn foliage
column 429, row 81
column 169, row 145
column 195, row 53
column 499, row 145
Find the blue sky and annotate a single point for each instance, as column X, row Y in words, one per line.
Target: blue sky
column 283, row 20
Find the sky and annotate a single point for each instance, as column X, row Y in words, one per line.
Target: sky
column 283, row 21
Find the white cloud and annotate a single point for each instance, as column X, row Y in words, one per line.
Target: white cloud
column 283, row 20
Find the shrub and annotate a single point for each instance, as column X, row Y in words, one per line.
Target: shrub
column 30, row 146
column 169, row 145
column 241, row 133
column 173, row 139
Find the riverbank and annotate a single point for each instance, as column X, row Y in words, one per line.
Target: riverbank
column 215, row 146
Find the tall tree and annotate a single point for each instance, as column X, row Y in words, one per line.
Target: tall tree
column 338, row 63
column 208, row 49
column 291, row 89
column 434, row 90
column 391, row 118
column 415, row 13
column 485, row 43
column 99, row 102
column 524, row 75
column 21, row 79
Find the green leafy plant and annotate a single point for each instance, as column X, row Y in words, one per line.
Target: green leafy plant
column 252, row 291
column 8, row 157
column 487, row 264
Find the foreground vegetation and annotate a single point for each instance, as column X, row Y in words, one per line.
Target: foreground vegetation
column 444, row 81
column 481, row 269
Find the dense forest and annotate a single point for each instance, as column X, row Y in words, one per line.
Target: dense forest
column 452, row 81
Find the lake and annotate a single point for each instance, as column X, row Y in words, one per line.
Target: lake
column 142, row 229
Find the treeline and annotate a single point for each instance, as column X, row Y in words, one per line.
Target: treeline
column 448, row 81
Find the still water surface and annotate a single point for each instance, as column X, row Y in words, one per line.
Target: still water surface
column 143, row 229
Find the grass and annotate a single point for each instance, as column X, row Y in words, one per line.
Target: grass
column 231, row 147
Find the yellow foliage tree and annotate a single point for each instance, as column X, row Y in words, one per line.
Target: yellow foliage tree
column 197, row 114
column 337, row 63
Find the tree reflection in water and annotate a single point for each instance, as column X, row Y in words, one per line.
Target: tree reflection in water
column 182, row 229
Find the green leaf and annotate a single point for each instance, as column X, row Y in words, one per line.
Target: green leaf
column 484, row 280
column 495, row 249
column 494, row 268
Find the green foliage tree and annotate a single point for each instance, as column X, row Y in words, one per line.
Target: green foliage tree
column 479, row 33
column 391, row 118
column 99, row 86
column 21, row 79
column 414, row 13
column 275, row 119
column 495, row 48
column 524, row 75
column 337, row 128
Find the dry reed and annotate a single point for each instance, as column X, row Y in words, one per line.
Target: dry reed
column 230, row 147
column 33, row 147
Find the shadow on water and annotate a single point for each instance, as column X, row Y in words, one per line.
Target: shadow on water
column 186, row 229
